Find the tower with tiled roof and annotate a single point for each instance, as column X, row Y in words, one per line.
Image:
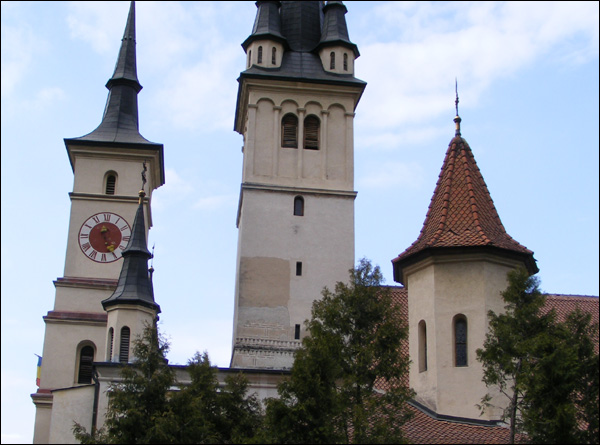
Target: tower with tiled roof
column 106, row 167
column 454, row 273
column 296, row 208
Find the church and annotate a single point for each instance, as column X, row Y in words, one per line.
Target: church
column 295, row 110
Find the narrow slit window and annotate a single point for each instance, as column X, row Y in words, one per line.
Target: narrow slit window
column 111, row 339
column 111, row 183
column 422, row 346
column 249, row 58
column 298, row 206
column 86, row 360
column 274, row 56
column 260, row 54
column 332, row 60
column 460, row 341
column 345, row 61
column 298, row 268
column 297, row 332
column 311, row 132
column 124, row 345
column 289, row 131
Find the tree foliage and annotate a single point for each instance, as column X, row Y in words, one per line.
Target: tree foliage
column 547, row 370
column 143, row 406
column 354, row 343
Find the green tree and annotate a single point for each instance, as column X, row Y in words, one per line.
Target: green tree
column 507, row 350
column 205, row 412
column 354, row 344
column 144, row 407
column 547, row 370
column 561, row 391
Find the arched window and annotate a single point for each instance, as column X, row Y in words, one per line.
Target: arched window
column 274, row 56
column 311, row 132
column 460, row 340
column 289, row 131
column 111, row 339
column 86, row 359
column 111, row 184
column 422, row 346
column 299, row 206
column 260, row 54
column 345, row 61
column 124, row 345
column 332, row 60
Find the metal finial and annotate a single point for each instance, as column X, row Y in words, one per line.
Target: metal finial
column 144, row 175
column 151, row 269
column 457, row 119
column 456, row 89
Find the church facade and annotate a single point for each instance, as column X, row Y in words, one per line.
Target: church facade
column 295, row 110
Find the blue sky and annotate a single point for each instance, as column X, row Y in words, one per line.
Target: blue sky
column 528, row 85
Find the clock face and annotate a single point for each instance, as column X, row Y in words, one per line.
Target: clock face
column 103, row 237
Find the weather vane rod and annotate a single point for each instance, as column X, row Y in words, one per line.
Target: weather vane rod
column 457, row 119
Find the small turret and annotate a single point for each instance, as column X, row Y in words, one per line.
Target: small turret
column 336, row 50
column 265, row 46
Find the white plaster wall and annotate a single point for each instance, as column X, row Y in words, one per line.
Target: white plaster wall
column 439, row 289
column 70, row 406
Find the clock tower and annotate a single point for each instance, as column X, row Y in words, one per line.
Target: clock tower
column 105, row 199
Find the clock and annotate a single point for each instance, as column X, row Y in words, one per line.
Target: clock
column 103, row 237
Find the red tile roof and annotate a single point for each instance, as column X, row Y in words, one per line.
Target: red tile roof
column 427, row 428
column 461, row 213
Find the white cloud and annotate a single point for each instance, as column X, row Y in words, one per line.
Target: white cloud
column 18, row 45
column 411, row 73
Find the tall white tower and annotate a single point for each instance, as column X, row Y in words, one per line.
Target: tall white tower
column 295, row 110
column 106, row 167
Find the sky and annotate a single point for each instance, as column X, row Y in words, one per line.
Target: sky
column 528, row 84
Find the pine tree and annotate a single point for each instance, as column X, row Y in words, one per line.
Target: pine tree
column 353, row 344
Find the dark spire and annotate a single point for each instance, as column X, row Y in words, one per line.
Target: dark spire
column 267, row 24
column 120, row 119
column 301, row 24
column 135, row 285
column 335, row 30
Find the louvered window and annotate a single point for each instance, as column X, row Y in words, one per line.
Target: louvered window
column 86, row 359
column 299, row 206
column 124, row 345
column 332, row 60
column 111, row 182
column 311, row 132
column 289, row 131
column 345, row 61
column 460, row 341
column 260, row 54
column 274, row 56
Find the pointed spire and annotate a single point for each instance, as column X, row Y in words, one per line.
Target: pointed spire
column 135, row 285
column 462, row 216
column 335, row 29
column 120, row 120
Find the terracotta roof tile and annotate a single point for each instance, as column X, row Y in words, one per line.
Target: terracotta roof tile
column 461, row 212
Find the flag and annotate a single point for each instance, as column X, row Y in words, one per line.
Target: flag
column 39, row 371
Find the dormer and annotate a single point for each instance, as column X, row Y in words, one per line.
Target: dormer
column 265, row 46
column 335, row 49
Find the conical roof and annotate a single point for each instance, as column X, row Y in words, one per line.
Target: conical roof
column 135, row 285
column 335, row 29
column 461, row 216
column 120, row 120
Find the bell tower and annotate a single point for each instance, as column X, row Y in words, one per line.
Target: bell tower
column 106, row 166
column 295, row 111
